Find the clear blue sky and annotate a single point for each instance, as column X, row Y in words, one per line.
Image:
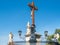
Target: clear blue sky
column 14, row 15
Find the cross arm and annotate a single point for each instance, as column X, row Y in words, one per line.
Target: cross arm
column 32, row 6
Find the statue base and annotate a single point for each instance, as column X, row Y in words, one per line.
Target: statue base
column 10, row 43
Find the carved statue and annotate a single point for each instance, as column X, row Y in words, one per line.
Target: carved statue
column 10, row 39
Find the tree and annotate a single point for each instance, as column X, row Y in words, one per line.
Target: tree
column 50, row 37
column 57, row 31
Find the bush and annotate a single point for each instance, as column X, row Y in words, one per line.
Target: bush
column 59, row 40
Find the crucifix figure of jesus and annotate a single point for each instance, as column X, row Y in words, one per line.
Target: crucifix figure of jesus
column 32, row 6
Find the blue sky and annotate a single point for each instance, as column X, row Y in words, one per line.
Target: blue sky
column 14, row 15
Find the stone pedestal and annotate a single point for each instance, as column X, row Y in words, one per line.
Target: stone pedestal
column 31, row 36
column 10, row 43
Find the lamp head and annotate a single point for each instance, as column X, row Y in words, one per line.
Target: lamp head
column 19, row 32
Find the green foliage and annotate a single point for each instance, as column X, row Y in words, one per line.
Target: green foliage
column 49, row 43
column 57, row 31
column 50, row 37
column 59, row 40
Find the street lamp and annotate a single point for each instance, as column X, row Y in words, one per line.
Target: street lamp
column 46, row 33
column 20, row 32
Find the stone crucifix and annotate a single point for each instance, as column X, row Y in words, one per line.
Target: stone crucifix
column 32, row 6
